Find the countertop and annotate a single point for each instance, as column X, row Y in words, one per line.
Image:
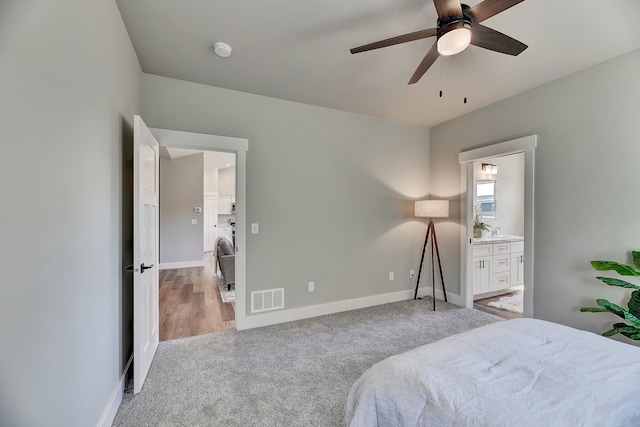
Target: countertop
column 497, row 239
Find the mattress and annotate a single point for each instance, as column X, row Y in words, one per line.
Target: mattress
column 520, row 372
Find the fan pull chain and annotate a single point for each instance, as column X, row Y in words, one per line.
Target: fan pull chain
column 465, row 76
column 440, row 75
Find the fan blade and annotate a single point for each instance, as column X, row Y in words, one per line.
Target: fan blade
column 489, row 8
column 427, row 62
column 494, row 40
column 448, row 8
column 417, row 35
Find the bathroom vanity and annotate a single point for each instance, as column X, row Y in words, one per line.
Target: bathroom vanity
column 498, row 265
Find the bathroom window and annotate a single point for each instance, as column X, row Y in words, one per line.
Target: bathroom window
column 486, row 198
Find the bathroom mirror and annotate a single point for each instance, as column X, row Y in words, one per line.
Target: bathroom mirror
column 486, row 198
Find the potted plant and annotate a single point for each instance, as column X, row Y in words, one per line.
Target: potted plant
column 631, row 329
column 478, row 225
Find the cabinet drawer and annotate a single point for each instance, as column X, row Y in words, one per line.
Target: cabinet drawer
column 500, row 280
column 500, row 263
column 517, row 246
column 482, row 250
column 501, row 248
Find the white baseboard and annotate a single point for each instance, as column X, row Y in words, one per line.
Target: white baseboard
column 452, row 298
column 109, row 414
column 181, row 264
column 281, row 316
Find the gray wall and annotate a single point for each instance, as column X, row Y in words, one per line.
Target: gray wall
column 181, row 190
column 70, row 84
column 586, row 181
column 329, row 189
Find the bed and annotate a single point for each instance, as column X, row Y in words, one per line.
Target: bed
column 520, row 372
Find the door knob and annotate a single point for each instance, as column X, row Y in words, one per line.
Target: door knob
column 145, row 267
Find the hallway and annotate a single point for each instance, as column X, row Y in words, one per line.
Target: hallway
column 191, row 304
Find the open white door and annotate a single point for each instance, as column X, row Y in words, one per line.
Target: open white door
column 145, row 250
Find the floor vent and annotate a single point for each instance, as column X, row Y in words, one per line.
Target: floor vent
column 271, row 299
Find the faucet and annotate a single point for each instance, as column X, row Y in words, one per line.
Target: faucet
column 494, row 232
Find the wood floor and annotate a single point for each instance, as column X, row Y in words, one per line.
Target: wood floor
column 190, row 302
column 481, row 305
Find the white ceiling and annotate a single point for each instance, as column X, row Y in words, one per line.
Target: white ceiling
column 299, row 50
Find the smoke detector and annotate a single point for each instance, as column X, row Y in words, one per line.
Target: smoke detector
column 222, row 49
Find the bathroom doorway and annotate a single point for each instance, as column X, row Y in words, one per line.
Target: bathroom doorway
column 498, row 235
column 498, row 197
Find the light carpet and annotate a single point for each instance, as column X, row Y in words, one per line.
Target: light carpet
column 513, row 303
column 291, row 374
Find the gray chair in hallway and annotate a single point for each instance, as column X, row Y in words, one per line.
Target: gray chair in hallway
column 227, row 261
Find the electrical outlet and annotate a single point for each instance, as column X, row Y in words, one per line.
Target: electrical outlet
column 412, row 274
column 390, row 275
column 312, row 286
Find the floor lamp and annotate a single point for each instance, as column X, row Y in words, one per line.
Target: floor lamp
column 431, row 209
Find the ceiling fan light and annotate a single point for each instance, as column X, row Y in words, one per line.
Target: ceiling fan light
column 454, row 41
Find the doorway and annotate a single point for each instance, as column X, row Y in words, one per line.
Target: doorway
column 196, row 281
column 238, row 147
column 505, row 255
column 498, row 235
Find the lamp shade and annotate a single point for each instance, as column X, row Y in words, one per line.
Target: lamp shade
column 432, row 208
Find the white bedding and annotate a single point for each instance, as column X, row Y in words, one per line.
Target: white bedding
column 520, row 372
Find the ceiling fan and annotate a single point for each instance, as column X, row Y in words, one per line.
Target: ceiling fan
column 458, row 26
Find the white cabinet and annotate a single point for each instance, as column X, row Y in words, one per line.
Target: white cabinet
column 500, row 270
column 224, row 204
column 517, row 268
column 497, row 266
column 502, row 248
column 482, row 250
column 481, row 274
column 517, row 263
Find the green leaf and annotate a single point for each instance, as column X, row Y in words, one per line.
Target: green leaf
column 626, row 330
column 619, row 311
column 622, row 269
column 634, row 303
column 633, row 336
column 636, row 258
column 610, row 307
column 631, row 318
column 593, row 310
column 620, row 325
column 617, row 282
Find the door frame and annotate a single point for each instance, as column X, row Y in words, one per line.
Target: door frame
column 239, row 146
column 466, row 158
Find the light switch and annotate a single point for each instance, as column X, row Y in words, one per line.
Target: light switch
column 254, row 228
column 194, row 221
column 197, row 210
